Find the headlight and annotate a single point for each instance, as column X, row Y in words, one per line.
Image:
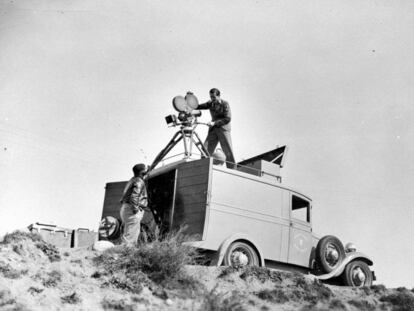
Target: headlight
column 350, row 247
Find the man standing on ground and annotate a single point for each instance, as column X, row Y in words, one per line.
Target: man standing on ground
column 134, row 201
column 220, row 128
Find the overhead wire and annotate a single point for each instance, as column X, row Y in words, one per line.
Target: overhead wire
column 29, row 140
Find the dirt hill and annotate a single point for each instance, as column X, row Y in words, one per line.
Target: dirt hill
column 161, row 275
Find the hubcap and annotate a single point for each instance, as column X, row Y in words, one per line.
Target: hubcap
column 331, row 255
column 239, row 259
column 358, row 276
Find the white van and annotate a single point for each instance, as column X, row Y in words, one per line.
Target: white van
column 245, row 216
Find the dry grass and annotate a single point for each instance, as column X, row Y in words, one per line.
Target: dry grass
column 18, row 236
column 9, row 272
column 18, row 239
column 6, row 299
column 50, row 279
column 49, row 250
column 114, row 304
column 276, row 295
column 215, row 301
column 160, row 262
column 401, row 300
column 73, row 298
column 362, row 305
column 263, row 274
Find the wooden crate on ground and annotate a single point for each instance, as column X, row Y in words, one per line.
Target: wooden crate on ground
column 84, row 237
column 58, row 236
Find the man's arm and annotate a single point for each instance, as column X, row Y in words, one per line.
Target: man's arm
column 139, row 194
column 136, row 192
column 204, row 106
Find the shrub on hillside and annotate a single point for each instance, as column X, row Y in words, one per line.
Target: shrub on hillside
column 132, row 283
column 227, row 271
column 49, row 250
column 263, row 274
column 6, row 298
column 161, row 261
column 51, row 279
column 333, row 305
column 9, row 272
column 401, row 300
column 115, row 304
column 215, row 301
column 276, row 295
column 362, row 305
column 73, row 298
column 312, row 291
column 16, row 238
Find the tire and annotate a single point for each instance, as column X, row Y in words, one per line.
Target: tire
column 109, row 228
column 240, row 254
column 357, row 274
column 329, row 254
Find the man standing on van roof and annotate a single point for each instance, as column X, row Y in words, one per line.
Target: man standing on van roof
column 134, row 201
column 220, row 128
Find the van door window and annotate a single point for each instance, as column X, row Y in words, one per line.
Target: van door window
column 300, row 209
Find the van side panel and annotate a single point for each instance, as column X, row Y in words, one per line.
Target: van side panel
column 235, row 207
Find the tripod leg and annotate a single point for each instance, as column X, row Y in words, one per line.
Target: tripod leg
column 200, row 146
column 167, row 149
column 187, row 149
column 191, row 139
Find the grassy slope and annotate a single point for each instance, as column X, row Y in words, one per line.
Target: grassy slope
column 160, row 275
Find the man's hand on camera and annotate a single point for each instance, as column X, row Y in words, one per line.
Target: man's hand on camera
column 211, row 124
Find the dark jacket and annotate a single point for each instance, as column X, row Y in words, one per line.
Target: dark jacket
column 220, row 113
column 135, row 193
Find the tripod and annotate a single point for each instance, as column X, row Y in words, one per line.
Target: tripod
column 189, row 136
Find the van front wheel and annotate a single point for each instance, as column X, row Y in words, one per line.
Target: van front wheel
column 240, row 254
column 357, row 274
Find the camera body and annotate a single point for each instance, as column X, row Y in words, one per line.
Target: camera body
column 185, row 118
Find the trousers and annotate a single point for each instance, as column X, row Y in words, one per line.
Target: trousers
column 132, row 224
column 218, row 135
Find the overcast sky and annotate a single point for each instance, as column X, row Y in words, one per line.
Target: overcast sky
column 85, row 86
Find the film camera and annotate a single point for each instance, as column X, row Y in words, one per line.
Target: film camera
column 187, row 120
column 187, row 113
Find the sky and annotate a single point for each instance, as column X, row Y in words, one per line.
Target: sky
column 85, row 86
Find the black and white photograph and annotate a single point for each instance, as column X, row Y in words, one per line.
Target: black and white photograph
column 206, row 155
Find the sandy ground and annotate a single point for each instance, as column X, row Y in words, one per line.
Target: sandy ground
column 35, row 277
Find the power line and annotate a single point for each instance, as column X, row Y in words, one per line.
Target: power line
column 29, row 140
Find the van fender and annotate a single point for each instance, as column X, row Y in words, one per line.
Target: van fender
column 218, row 259
column 349, row 257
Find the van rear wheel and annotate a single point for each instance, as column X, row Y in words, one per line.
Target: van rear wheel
column 240, row 254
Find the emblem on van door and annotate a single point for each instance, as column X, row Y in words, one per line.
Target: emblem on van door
column 299, row 242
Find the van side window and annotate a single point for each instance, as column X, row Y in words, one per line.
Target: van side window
column 300, row 209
